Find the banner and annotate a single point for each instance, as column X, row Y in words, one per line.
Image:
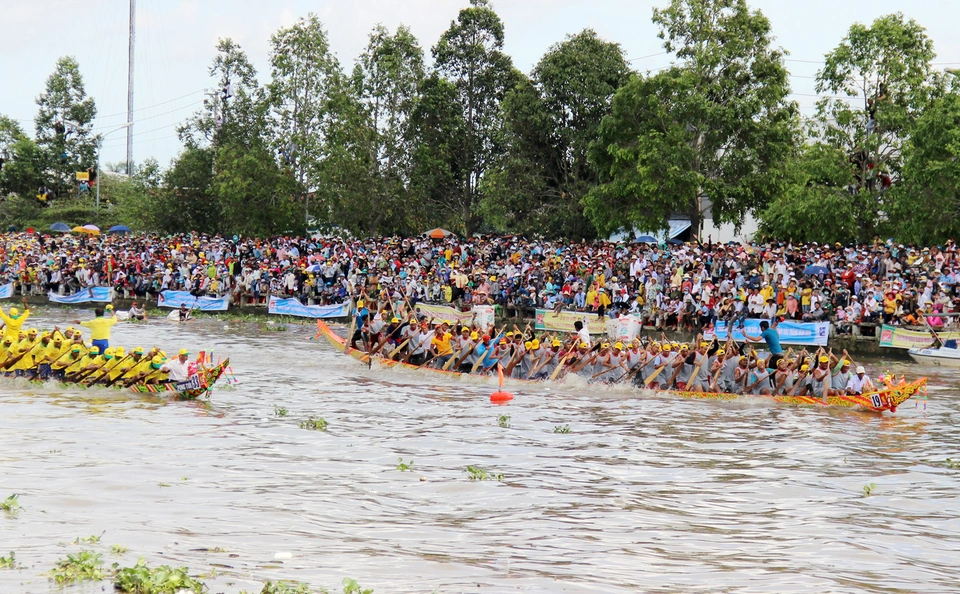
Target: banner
column 901, row 338
column 6, row 291
column 626, row 328
column 445, row 312
column 802, row 333
column 563, row 321
column 175, row 298
column 293, row 307
column 91, row 295
column 486, row 315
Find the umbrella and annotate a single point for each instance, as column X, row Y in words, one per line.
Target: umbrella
column 119, row 229
column 437, row 233
column 812, row 270
column 86, row 229
column 61, row 227
column 675, row 242
column 646, row 239
column 313, row 268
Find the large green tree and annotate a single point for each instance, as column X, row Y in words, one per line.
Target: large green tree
column 64, row 125
column 879, row 81
column 538, row 185
column 717, row 127
column 22, row 171
column 470, row 55
column 304, row 75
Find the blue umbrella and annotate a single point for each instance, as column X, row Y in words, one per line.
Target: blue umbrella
column 61, row 227
column 675, row 242
column 646, row 239
column 814, row 270
column 119, row 229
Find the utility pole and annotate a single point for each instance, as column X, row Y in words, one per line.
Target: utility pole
column 130, row 55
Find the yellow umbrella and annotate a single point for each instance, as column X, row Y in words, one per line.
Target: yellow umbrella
column 87, row 230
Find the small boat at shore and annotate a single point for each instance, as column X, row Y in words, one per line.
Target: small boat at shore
column 196, row 386
column 887, row 398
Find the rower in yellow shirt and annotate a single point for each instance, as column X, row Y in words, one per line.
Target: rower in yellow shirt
column 85, row 364
column 100, row 327
column 61, row 365
column 36, row 350
column 14, row 321
column 123, row 368
column 111, row 357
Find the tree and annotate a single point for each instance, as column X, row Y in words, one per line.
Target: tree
column 304, row 75
column 387, row 82
column 470, row 55
column 814, row 205
column 538, row 185
column 882, row 80
column 718, row 127
column 23, row 162
column 925, row 208
column 64, row 124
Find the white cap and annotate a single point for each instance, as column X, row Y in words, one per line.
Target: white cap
column 860, row 369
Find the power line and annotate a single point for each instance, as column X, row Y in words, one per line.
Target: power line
column 650, row 56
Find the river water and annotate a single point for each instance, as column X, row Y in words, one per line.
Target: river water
column 644, row 494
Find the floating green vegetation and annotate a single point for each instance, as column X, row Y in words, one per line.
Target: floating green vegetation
column 9, row 562
column 350, row 586
column 93, row 538
column 403, row 466
column 118, row 549
column 503, row 421
column 11, row 504
column 83, row 566
column 561, row 429
column 273, row 327
column 479, row 474
column 869, row 489
column 279, row 411
column 955, row 464
column 141, row 579
column 317, row 424
column 283, row 587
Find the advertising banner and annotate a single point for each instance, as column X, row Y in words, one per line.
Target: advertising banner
column 444, row 312
column 293, row 307
column 91, row 295
column 563, row 321
column 801, row 333
column 175, row 298
column 6, row 291
column 901, row 338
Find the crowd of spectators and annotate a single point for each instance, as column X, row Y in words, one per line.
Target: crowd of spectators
column 671, row 286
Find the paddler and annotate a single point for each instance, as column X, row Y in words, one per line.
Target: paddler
column 100, row 327
column 681, row 368
column 124, row 366
column 440, row 344
column 547, row 361
column 87, row 363
column 860, row 382
column 29, row 360
column 62, row 364
column 820, row 378
column 841, row 374
column 51, row 353
column 111, row 357
column 155, row 373
column 14, row 321
column 699, row 362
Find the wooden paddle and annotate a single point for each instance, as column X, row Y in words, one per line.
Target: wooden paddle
column 353, row 325
column 399, row 349
column 107, row 371
column 657, row 372
column 556, row 372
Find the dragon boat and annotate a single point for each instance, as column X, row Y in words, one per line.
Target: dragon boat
column 196, row 386
column 885, row 399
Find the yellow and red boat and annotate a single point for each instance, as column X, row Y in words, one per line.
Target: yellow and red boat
column 885, row 399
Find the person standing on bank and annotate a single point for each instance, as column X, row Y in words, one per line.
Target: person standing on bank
column 100, row 327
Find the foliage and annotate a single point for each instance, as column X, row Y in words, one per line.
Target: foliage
column 955, row 464
column 317, row 424
column 478, row 473
column 404, row 466
column 279, row 411
column 92, row 539
column 64, row 124
column 470, row 56
column 869, row 489
column 9, row 562
column 350, row 586
column 141, row 579
column 718, row 127
column 83, row 566
column 881, row 79
column 11, row 504
column 503, row 421
column 283, row 587
column 561, row 429
column 538, row 185
column 118, row 549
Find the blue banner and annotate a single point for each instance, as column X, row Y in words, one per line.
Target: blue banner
column 802, row 333
column 6, row 291
column 293, row 307
column 176, row 298
column 91, row 295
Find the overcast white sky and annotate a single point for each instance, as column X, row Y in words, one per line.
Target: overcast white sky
column 176, row 38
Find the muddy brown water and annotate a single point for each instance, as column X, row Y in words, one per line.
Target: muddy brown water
column 645, row 494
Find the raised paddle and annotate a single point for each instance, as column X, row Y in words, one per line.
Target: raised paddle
column 657, row 372
column 353, row 325
column 399, row 349
column 560, row 365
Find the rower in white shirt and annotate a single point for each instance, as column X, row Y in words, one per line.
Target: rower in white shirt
column 859, row 383
column 178, row 368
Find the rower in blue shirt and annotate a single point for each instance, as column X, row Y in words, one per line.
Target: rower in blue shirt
column 771, row 337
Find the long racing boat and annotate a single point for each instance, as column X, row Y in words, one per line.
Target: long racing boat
column 887, row 398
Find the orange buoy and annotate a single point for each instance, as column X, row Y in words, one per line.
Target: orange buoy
column 501, row 397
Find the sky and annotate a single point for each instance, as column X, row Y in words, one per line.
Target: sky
column 176, row 41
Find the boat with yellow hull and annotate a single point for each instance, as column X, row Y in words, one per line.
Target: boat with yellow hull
column 888, row 398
